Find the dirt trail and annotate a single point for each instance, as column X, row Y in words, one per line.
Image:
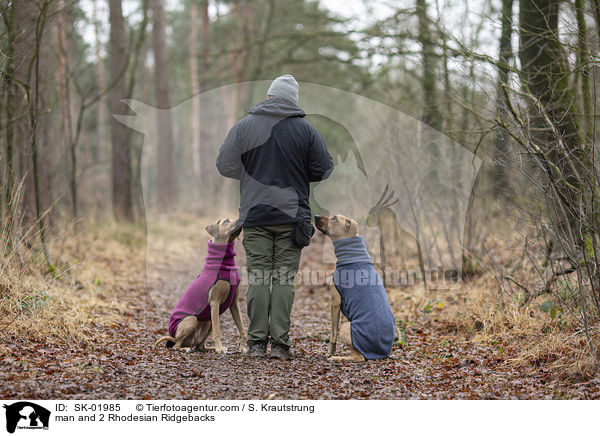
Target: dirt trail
column 122, row 364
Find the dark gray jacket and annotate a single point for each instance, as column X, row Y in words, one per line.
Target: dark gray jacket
column 275, row 154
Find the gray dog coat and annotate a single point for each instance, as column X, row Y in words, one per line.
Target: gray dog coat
column 364, row 300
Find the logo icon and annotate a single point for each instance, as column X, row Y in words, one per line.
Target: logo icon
column 26, row 415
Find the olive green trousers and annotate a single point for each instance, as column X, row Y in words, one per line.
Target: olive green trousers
column 272, row 260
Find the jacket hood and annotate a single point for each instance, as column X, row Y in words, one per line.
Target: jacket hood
column 277, row 106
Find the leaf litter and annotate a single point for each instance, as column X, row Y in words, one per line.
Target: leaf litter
column 120, row 362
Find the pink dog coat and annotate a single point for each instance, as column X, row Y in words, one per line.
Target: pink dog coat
column 218, row 265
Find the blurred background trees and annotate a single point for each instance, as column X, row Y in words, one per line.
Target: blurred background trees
column 512, row 81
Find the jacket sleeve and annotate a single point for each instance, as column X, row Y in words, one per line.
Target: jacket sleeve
column 320, row 163
column 229, row 160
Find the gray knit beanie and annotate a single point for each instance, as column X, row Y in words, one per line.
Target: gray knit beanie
column 285, row 87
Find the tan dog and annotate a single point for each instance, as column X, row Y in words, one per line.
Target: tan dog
column 192, row 333
column 369, row 332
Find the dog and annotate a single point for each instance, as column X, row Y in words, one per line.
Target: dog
column 358, row 293
column 213, row 292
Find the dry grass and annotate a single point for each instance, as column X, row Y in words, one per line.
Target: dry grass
column 488, row 309
column 534, row 339
column 99, row 268
column 93, row 266
column 538, row 339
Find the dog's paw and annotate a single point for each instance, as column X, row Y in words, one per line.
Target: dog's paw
column 221, row 350
column 243, row 348
column 186, row 350
column 331, row 349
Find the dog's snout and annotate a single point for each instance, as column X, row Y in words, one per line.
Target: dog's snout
column 321, row 223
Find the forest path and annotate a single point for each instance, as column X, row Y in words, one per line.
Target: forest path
column 121, row 362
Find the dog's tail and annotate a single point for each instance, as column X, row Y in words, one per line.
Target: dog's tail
column 165, row 338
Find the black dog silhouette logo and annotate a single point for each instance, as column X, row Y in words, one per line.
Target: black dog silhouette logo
column 26, row 415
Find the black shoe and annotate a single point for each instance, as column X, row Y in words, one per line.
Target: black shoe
column 281, row 352
column 258, row 349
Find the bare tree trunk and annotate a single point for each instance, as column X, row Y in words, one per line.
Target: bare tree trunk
column 28, row 106
column 136, row 146
column 30, row 45
column 99, row 152
column 242, row 11
column 205, row 75
column 553, row 124
column 25, row 16
column 166, row 190
column 501, row 180
column 150, row 173
column 67, row 110
column 11, row 105
column 446, row 72
column 596, row 7
column 544, row 70
column 207, row 125
column 194, row 87
column 584, row 67
column 431, row 114
column 121, row 153
column 260, row 56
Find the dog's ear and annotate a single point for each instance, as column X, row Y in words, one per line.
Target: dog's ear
column 353, row 227
column 350, row 227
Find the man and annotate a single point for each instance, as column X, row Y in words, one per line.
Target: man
column 275, row 154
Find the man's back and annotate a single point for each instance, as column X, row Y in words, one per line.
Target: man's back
column 275, row 154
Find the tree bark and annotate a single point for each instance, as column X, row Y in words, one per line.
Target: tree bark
column 166, row 191
column 67, row 110
column 447, row 87
column 242, row 12
column 11, row 103
column 29, row 105
column 501, row 178
column 99, row 151
column 25, row 16
column 431, row 114
column 584, row 67
column 265, row 32
column 32, row 71
column 553, row 125
column 194, row 87
column 543, row 69
column 205, row 73
column 121, row 153
column 596, row 7
column 207, row 126
column 139, row 51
